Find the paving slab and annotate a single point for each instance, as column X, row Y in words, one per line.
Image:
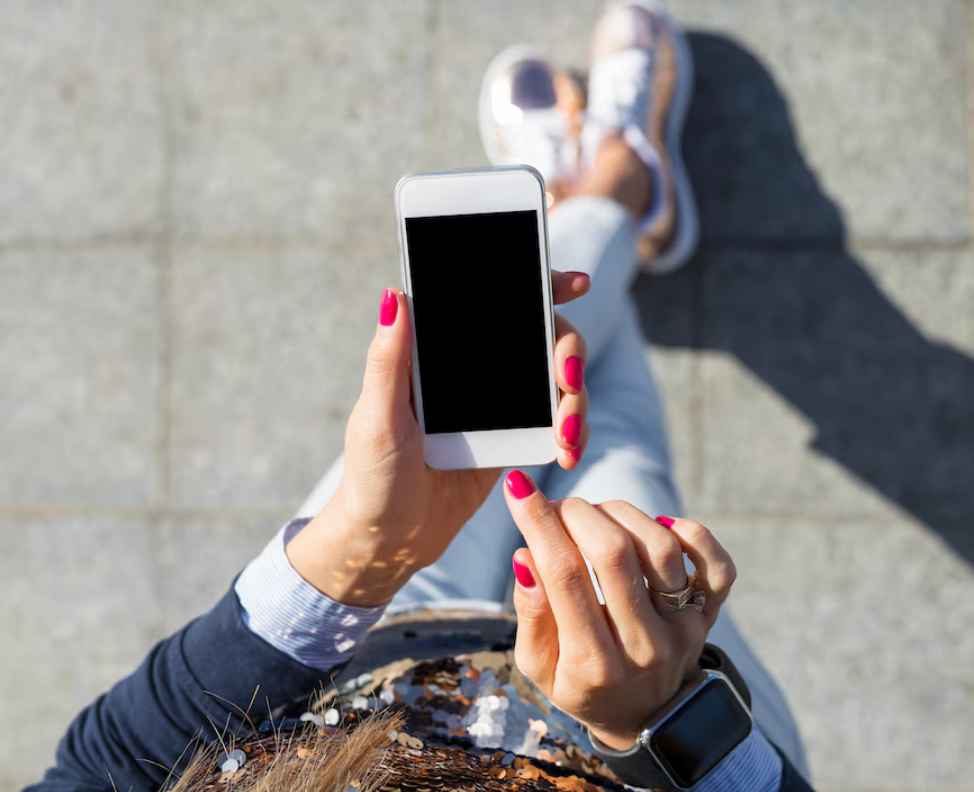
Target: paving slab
column 78, row 394
column 822, row 394
column 869, row 627
column 79, row 611
column 268, row 353
column 294, row 118
column 82, row 133
column 197, row 559
column 872, row 93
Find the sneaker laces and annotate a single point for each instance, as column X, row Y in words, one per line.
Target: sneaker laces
column 541, row 140
column 619, row 101
column 619, row 89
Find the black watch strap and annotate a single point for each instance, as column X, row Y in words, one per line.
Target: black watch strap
column 714, row 658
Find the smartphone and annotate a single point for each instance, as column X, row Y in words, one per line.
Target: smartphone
column 476, row 268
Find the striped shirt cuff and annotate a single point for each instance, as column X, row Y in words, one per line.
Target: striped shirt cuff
column 294, row 617
column 753, row 765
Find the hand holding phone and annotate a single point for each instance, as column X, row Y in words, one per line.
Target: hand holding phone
column 392, row 513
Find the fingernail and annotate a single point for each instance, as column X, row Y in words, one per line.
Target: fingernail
column 574, row 453
column 519, row 484
column 389, row 308
column 574, row 372
column 667, row 522
column 576, row 272
column 523, row 575
column 571, row 430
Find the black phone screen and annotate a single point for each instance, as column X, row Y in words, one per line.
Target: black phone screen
column 479, row 317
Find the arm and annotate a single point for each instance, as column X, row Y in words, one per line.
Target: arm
column 272, row 631
column 391, row 516
column 615, row 667
column 179, row 692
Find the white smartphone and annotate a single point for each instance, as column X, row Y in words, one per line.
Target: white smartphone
column 475, row 264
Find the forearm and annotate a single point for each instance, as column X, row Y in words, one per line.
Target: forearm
column 187, row 686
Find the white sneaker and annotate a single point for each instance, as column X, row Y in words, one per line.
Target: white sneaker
column 528, row 114
column 639, row 87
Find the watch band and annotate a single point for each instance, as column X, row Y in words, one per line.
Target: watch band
column 636, row 766
column 713, row 658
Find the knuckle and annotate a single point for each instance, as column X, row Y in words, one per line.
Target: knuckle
column 600, row 671
column 722, row 574
column 695, row 533
column 378, row 359
column 666, row 555
column 566, row 571
column 613, row 552
column 529, row 607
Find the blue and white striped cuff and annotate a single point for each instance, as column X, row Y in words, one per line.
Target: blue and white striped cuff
column 294, row 617
column 753, row 765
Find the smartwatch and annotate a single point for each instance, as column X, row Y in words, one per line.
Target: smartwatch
column 686, row 739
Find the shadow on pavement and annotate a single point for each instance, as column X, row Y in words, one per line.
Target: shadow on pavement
column 774, row 285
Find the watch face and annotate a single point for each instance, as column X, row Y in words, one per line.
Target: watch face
column 703, row 731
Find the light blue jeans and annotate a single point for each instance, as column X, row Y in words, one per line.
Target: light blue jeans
column 627, row 457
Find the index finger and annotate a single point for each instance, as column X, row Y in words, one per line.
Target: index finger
column 563, row 571
column 568, row 286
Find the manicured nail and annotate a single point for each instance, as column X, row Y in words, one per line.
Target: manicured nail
column 571, row 430
column 523, row 575
column 519, row 484
column 574, row 372
column 389, row 308
column 666, row 522
column 574, row 453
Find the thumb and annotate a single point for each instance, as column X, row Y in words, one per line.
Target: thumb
column 536, row 646
column 386, row 383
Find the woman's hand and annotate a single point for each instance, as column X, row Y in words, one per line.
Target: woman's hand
column 610, row 667
column 392, row 515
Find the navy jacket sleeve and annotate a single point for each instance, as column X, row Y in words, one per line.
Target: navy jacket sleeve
column 144, row 724
column 179, row 692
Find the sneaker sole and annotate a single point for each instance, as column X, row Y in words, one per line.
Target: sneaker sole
column 687, row 235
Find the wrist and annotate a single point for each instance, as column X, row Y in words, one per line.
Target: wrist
column 344, row 561
column 617, row 741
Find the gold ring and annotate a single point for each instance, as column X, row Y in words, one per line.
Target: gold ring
column 689, row 597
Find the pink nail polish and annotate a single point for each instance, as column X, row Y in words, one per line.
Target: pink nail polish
column 574, row 453
column 575, row 372
column 519, row 484
column 523, row 575
column 571, row 430
column 388, row 308
column 666, row 522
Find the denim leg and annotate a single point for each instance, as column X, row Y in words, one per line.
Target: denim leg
column 627, row 456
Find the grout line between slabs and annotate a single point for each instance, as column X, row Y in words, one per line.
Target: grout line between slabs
column 273, row 516
column 371, row 245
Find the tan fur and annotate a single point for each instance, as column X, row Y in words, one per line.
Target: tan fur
column 309, row 761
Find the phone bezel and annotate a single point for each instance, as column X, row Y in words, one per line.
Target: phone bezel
column 464, row 192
